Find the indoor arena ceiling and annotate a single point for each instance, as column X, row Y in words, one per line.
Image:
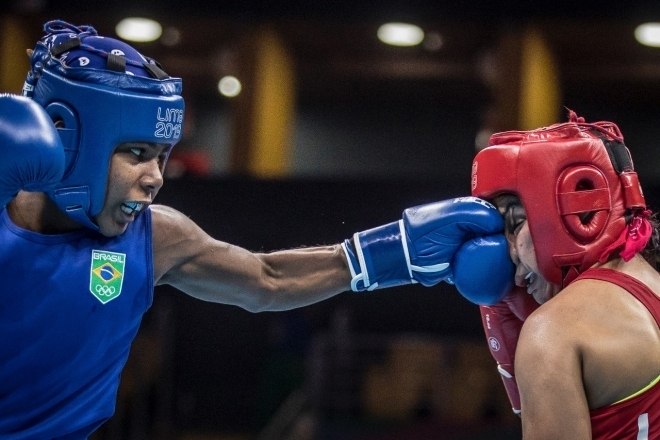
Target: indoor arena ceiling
column 335, row 50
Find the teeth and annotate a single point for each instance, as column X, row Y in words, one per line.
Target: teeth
column 130, row 208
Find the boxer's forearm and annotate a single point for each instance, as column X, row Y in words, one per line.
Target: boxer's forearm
column 274, row 281
column 299, row 277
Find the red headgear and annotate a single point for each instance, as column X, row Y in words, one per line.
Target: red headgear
column 577, row 184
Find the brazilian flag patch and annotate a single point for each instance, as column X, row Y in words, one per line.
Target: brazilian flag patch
column 106, row 275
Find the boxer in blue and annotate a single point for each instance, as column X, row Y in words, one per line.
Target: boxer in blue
column 82, row 246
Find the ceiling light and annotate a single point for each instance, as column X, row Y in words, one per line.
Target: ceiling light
column 648, row 34
column 137, row 29
column 400, row 34
column 229, row 86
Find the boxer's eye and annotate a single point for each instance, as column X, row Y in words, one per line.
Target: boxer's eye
column 529, row 278
column 517, row 225
column 513, row 224
column 162, row 158
column 514, row 218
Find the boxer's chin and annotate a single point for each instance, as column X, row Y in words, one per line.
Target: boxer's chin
column 113, row 221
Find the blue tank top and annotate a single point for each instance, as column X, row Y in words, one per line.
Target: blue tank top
column 70, row 307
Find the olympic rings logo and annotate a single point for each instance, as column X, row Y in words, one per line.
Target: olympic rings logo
column 105, row 290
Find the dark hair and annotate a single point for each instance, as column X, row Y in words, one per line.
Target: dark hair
column 651, row 252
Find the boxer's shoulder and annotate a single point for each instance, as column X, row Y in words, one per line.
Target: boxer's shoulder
column 175, row 238
column 170, row 225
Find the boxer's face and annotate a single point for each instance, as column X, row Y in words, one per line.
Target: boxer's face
column 521, row 250
column 136, row 176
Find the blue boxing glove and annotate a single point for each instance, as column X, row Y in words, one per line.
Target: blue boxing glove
column 31, row 152
column 483, row 270
column 420, row 247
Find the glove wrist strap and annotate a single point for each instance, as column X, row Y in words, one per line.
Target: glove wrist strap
column 378, row 258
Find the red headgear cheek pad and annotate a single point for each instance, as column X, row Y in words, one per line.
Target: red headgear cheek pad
column 576, row 183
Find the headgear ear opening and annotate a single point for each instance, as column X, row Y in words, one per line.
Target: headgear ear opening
column 583, row 199
column 68, row 127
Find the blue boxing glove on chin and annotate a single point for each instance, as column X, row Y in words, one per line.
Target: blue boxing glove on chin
column 483, row 270
column 419, row 248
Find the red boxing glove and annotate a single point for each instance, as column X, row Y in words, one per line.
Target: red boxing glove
column 502, row 323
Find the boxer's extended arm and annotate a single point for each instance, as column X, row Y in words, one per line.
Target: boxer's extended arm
column 422, row 243
column 31, row 152
column 189, row 259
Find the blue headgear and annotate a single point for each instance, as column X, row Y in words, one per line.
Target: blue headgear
column 101, row 92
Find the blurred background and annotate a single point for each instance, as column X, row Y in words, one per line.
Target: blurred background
column 306, row 122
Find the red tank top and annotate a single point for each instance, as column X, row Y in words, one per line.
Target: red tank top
column 637, row 418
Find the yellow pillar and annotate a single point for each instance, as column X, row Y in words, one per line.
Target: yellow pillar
column 262, row 139
column 539, row 86
column 525, row 83
column 13, row 44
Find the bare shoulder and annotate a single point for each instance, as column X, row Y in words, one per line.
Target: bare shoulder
column 575, row 312
column 604, row 330
column 561, row 312
column 560, row 326
column 548, row 371
column 163, row 212
column 175, row 238
column 548, row 326
column 170, row 225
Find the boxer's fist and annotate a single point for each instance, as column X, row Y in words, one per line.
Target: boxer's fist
column 421, row 246
column 31, row 152
column 483, row 270
column 502, row 323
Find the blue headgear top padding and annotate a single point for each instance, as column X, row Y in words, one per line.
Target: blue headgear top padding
column 100, row 92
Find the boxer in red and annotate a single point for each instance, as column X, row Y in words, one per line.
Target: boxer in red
column 585, row 247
